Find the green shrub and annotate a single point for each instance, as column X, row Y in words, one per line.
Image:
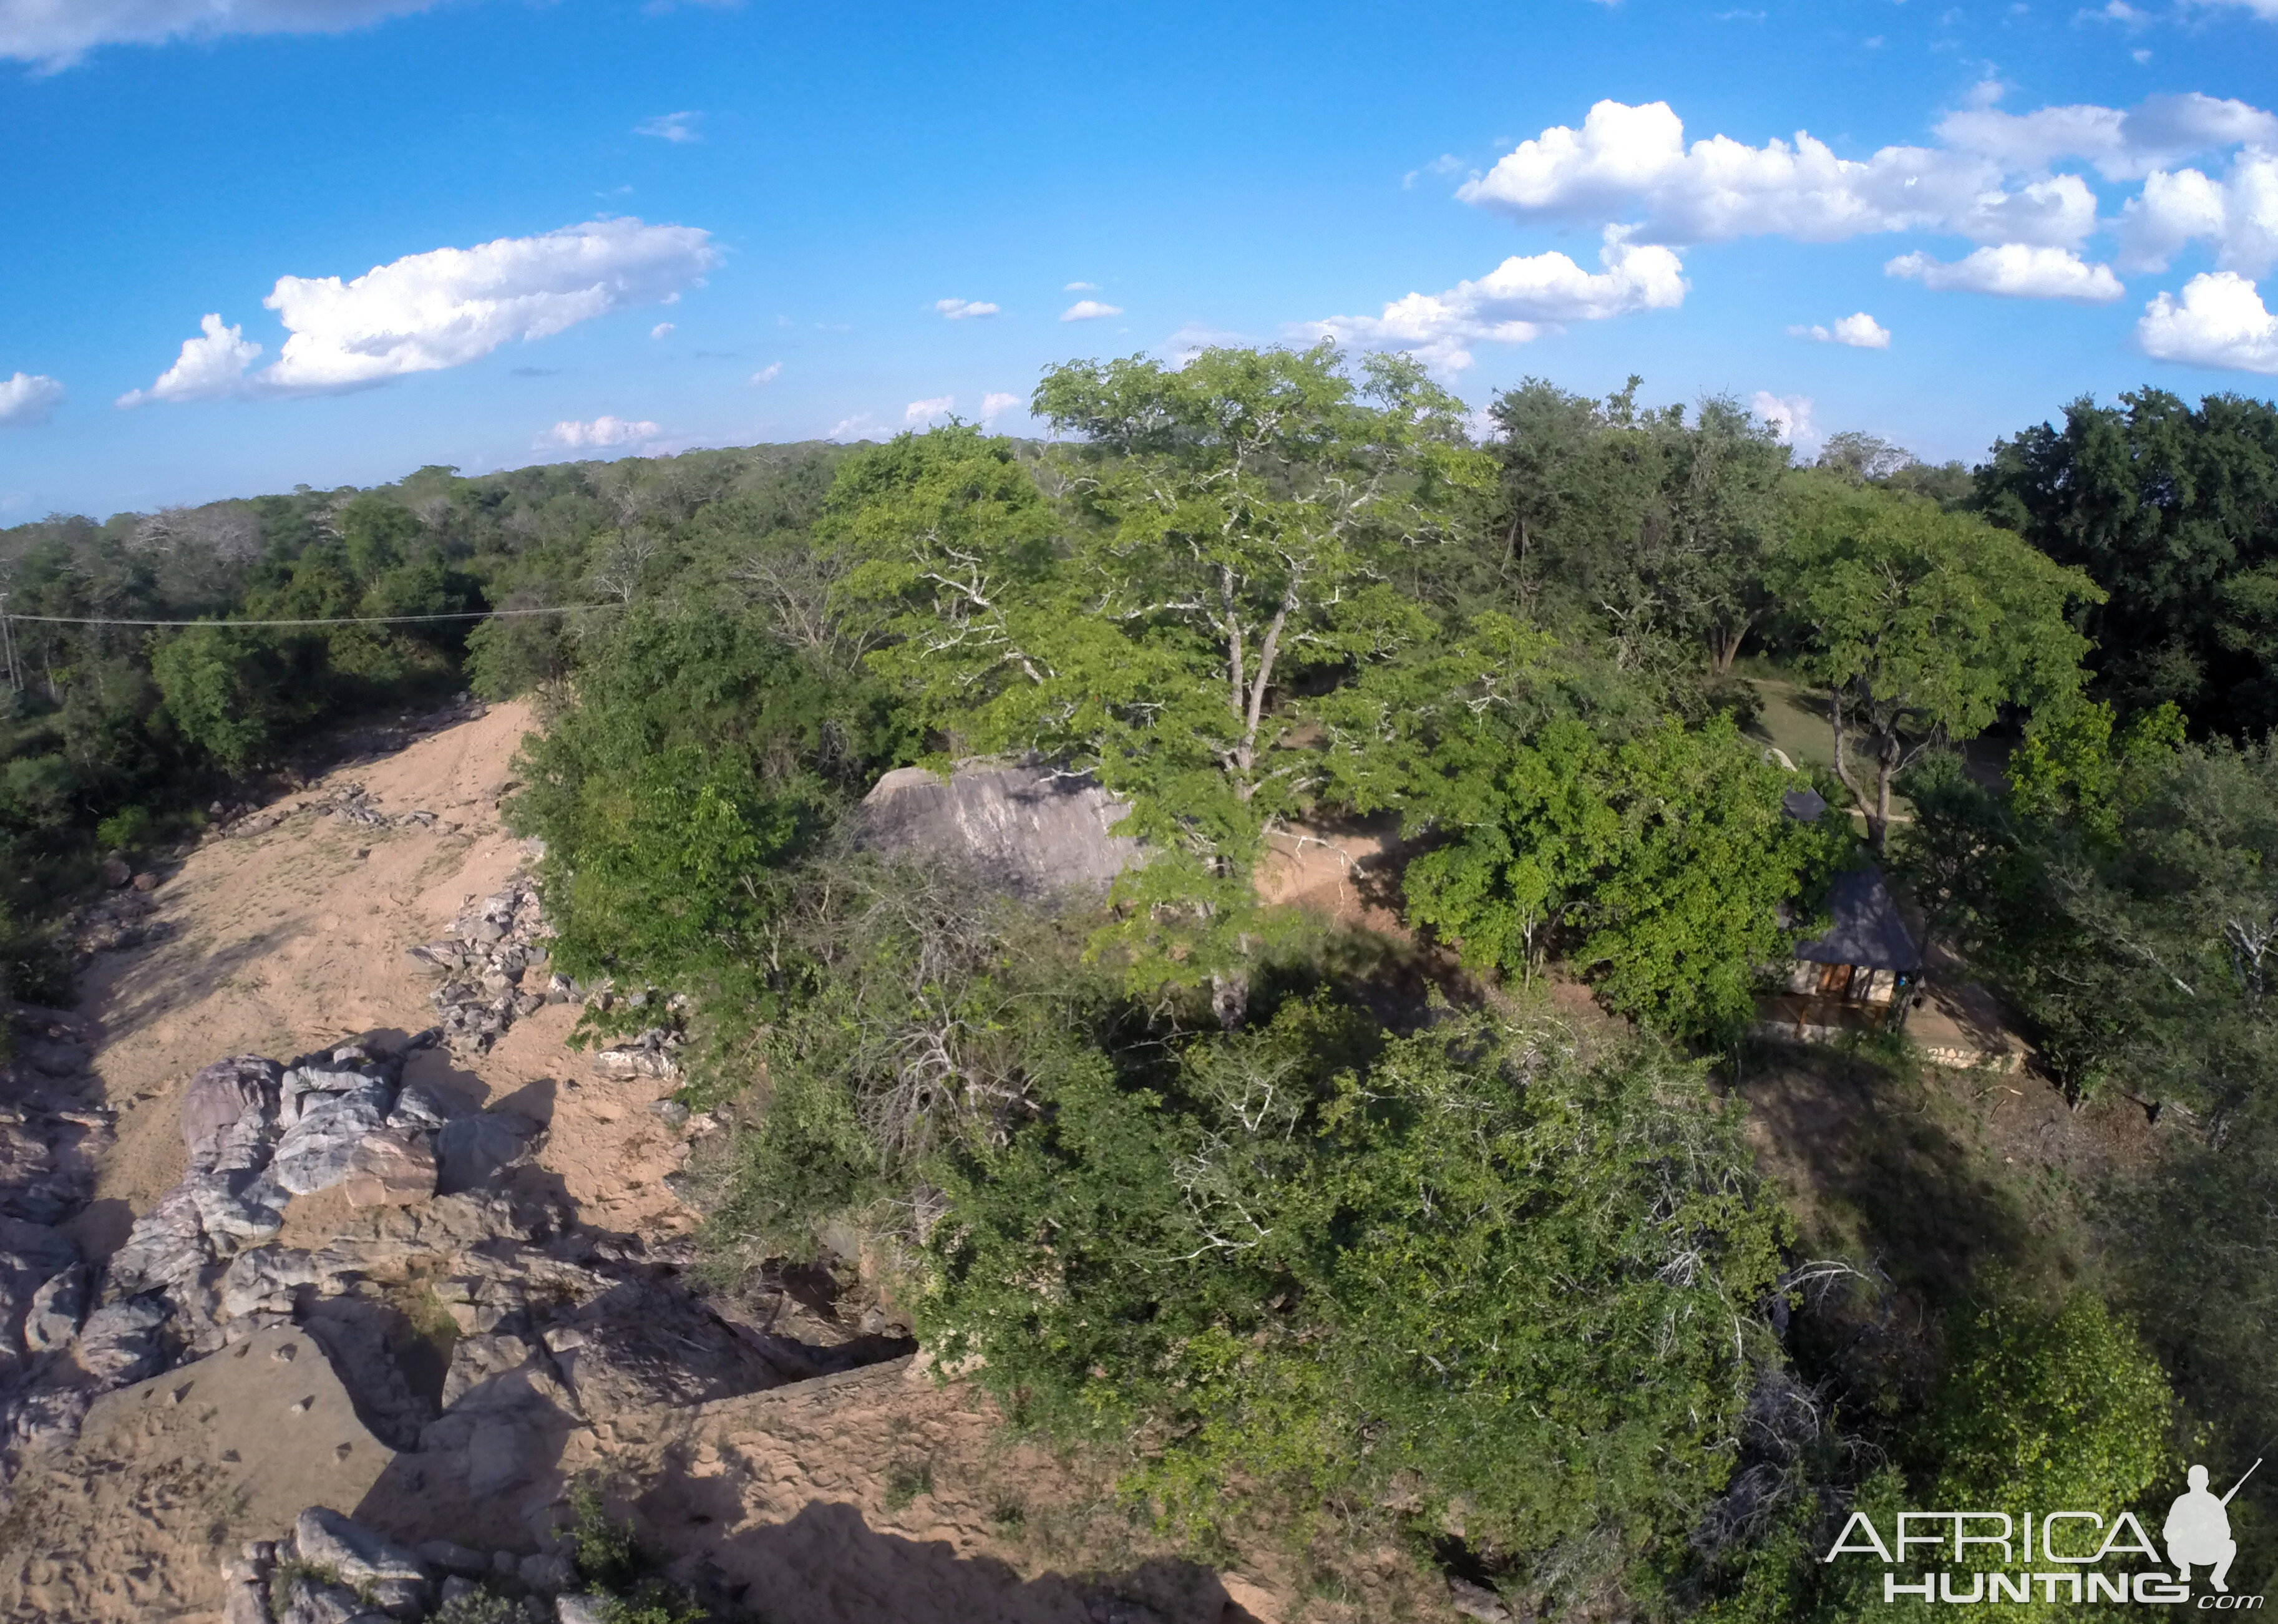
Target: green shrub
column 1473, row 1267
column 131, row 829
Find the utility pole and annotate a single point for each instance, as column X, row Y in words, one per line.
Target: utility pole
column 8, row 645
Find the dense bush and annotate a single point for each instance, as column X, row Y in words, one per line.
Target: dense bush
column 1474, row 1268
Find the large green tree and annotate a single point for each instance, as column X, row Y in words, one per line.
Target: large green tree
column 1919, row 625
column 2172, row 510
column 1659, row 527
column 1217, row 535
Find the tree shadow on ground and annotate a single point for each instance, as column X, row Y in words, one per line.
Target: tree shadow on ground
column 1874, row 1171
column 826, row 1565
column 137, row 986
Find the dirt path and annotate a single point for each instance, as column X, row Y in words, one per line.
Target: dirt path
column 281, row 942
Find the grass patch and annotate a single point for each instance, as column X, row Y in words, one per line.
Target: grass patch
column 908, row 1480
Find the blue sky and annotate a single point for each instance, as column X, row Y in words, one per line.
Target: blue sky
column 683, row 224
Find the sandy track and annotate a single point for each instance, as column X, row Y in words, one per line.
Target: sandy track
column 279, row 943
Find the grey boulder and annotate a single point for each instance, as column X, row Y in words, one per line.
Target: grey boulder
column 120, row 1343
column 319, row 1150
column 52, row 1319
column 369, row 1563
column 472, row 1151
column 230, row 1107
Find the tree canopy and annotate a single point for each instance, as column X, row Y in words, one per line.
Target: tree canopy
column 1920, row 625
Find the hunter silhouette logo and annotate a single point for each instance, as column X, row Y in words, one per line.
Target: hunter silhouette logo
column 2004, row 1555
column 2198, row 1530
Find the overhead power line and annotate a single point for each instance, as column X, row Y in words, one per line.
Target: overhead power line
column 348, row 619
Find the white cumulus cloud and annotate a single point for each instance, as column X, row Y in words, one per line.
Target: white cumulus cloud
column 674, row 127
column 1790, row 417
column 662, row 330
column 2220, row 321
column 2015, row 271
column 441, row 309
column 55, row 34
column 2123, row 144
column 1632, row 162
column 1089, row 310
column 768, row 373
column 1081, row 287
column 964, row 310
column 1517, row 301
column 27, row 400
column 210, row 366
column 602, row 432
column 995, row 406
column 926, row 411
column 2238, row 215
column 1858, row 330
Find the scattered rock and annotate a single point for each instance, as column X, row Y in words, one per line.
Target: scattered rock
column 493, row 942
column 111, row 924
column 548, row 1573
column 114, row 872
column 146, row 882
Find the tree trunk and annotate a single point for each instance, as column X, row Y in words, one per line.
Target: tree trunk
column 1875, row 808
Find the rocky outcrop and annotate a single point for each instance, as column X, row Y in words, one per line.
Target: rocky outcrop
column 555, row 1325
column 49, row 1139
column 331, row 1570
column 1029, row 829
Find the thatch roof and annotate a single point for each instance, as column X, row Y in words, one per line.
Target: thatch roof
column 1029, row 829
column 1865, row 928
column 1804, row 806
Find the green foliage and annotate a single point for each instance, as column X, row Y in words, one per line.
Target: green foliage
column 607, row 1554
column 931, row 1012
column 907, row 1481
column 2191, row 1238
column 1312, row 1263
column 130, row 828
column 1921, row 624
column 2173, row 512
column 1779, row 1577
column 1662, row 864
column 1665, row 528
column 701, row 759
column 1223, row 535
column 484, row 1605
column 230, row 693
column 2124, row 900
column 614, row 1567
column 2042, row 1408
